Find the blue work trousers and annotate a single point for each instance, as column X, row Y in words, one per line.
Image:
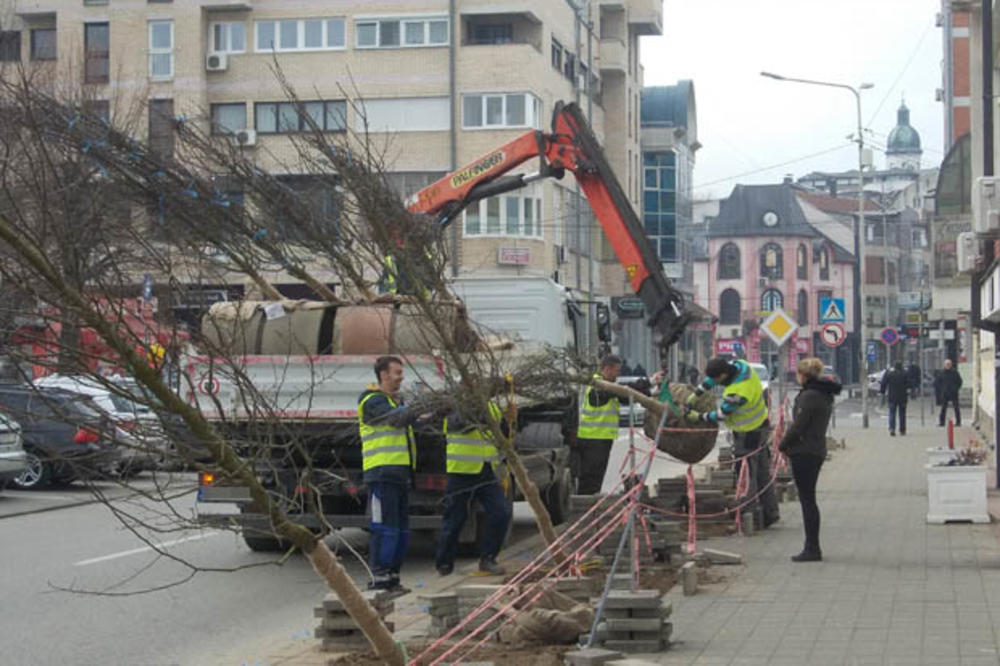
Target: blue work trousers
column 389, row 525
column 462, row 491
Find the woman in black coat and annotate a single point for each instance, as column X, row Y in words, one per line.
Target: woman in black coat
column 805, row 445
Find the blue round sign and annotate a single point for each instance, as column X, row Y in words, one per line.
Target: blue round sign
column 889, row 336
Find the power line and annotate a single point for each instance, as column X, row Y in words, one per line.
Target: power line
column 901, row 73
column 773, row 166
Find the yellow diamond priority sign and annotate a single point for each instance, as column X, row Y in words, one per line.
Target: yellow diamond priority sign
column 779, row 326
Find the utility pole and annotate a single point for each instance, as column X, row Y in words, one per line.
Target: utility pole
column 859, row 235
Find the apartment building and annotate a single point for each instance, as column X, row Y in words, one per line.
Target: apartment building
column 440, row 82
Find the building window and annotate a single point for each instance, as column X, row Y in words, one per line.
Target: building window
column 802, row 263
column 404, row 114
column 315, row 34
column 88, row 3
column 569, row 66
column 401, row 32
column 874, row 270
column 43, row 44
column 802, row 308
column 771, row 300
column 284, row 117
column 771, row 264
column 96, row 52
column 10, row 46
column 99, row 108
column 823, row 259
column 729, row 307
column 161, row 50
column 161, row 128
column 517, row 215
column 229, row 118
column 228, row 37
column 557, row 55
column 501, row 110
column 496, row 33
column 319, row 195
column 821, row 295
column 659, row 200
column 729, row 262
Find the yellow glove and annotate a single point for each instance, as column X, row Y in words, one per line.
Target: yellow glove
column 691, row 399
column 693, row 415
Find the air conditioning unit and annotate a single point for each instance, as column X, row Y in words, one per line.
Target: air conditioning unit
column 967, row 249
column 247, row 138
column 986, row 204
column 560, row 251
column 216, row 62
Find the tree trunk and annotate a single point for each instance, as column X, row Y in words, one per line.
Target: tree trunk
column 367, row 618
column 652, row 404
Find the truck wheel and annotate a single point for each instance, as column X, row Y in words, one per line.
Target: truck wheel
column 263, row 543
column 557, row 497
column 542, row 435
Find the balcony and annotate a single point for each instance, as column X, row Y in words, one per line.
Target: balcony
column 483, row 28
column 226, row 6
column 613, row 56
column 646, row 16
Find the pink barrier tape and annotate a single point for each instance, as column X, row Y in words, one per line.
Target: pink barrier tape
column 692, row 542
column 569, row 536
column 742, row 488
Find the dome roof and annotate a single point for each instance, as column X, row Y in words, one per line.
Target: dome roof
column 903, row 138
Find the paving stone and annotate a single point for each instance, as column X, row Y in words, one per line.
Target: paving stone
column 635, row 646
column 633, row 624
column 590, row 657
column 722, row 556
column 637, row 599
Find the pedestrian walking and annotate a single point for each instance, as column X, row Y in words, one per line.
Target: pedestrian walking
column 805, row 445
column 744, row 410
column 471, row 462
column 895, row 388
column 389, row 458
column 913, row 379
column 598, row 427
column 947, row 385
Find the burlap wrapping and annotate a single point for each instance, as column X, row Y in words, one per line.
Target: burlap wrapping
column 553, row 619
column 698, row 440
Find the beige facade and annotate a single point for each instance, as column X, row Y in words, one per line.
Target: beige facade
column 441, row 83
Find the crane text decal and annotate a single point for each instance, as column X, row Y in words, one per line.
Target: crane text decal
column 485, row 165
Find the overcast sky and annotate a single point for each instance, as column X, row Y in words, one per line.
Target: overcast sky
column 748, row 124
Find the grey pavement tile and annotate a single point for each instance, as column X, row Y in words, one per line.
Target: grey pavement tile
column 978, row 661
column 866, row 648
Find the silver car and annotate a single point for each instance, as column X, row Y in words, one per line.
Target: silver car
column 12, row 457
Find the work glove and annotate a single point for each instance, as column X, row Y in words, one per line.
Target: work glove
column 691, row 400
column 692, row 415
column 641, row 385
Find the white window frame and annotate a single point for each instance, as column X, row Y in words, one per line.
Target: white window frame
column 532, row 111
column 300, row 32
column 227, row 27
column 160, row 51
column 531, row 196
column 426, row 19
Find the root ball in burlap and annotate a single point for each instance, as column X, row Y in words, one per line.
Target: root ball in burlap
column 695, row 442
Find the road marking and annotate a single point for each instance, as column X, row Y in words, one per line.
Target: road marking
column 145, row 549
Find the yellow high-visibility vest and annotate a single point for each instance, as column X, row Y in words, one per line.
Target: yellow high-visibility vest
column 598, row 422
column 383, row 445
column 468, row 451
column 753, row 412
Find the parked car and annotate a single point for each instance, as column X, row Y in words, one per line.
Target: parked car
column 12, row 457
column 765, row 379
column 875, row 382
column 63, row 434
column 137, row 428
column 624, row 410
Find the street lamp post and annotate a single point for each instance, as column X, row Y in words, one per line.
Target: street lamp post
column 859, row 233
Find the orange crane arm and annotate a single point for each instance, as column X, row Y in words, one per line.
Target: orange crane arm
column 570, row 146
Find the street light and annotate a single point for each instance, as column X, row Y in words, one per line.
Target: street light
column 859, row 232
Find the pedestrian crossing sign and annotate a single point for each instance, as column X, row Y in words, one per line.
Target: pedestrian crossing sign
column 831, row 309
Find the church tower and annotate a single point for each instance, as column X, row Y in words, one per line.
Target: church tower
column 903, row 146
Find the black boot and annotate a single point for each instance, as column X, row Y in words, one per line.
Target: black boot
column 808, row 556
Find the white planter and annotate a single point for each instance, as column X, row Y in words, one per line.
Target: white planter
column 940, row 455
column 956, row 493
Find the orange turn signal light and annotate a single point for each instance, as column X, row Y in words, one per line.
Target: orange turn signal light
column 206, row 478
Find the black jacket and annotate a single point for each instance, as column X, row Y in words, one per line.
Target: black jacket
column 947, row 384
column 895, row 385
column 810, row 416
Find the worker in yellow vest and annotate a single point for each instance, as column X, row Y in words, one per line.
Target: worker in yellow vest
column 472, row 458
column 598, row 427
column 744, row 410
column 388, row 450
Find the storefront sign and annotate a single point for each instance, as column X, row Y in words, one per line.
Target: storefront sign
column 514, row 256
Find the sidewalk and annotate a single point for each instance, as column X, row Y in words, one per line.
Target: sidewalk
column 891, row 589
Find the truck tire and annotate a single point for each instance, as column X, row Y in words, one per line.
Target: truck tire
column 541, row 435
column 264, row 543
column 557, row 497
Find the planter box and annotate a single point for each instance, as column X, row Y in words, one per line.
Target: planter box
column 940, row 455
column 956, row 493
